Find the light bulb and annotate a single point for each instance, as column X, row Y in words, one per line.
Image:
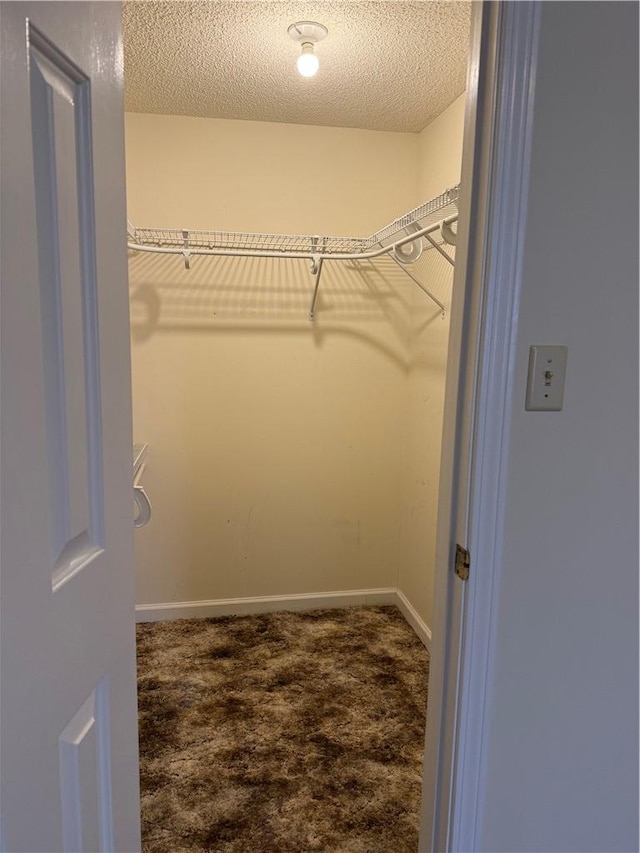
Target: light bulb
column 308, row 63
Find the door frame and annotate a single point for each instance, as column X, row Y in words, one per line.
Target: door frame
column 478, row 403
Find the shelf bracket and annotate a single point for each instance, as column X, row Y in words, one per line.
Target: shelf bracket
column 448, row 234
column 440, row 249
column 316, row 270
column 186, row 254
column 418, row 282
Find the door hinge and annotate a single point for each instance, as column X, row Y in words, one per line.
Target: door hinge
column 462, row 563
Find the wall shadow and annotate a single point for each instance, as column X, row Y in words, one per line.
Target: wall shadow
column 373, row 302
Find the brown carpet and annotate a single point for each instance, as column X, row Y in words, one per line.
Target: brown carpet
column 287, row 732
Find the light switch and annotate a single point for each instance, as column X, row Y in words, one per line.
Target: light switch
column 545, row 383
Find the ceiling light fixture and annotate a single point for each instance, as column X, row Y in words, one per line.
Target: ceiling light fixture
column 307, row 33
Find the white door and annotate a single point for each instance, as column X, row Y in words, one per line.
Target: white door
column 68, row 733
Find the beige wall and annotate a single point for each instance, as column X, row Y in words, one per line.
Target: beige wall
column 284, row 456
column 440, row 146
column 275, row 443
column 261, row 176
column 440, row 151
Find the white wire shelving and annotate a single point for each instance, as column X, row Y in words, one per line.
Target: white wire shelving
column 437, row 214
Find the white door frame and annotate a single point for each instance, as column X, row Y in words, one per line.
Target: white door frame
column 484, row 317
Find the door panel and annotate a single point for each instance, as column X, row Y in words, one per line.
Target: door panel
column 85, row 777
column 62, row 157
column 68, row 732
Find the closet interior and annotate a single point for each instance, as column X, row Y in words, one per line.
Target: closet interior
column 288, row 385
column 289, row 388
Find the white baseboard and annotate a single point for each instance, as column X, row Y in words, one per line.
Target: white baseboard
column 412, row 617
column 274, row 603
column 267, row 604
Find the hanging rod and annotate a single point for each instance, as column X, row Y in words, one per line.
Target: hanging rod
column 316, row 249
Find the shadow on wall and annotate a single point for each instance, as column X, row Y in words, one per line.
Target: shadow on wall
column 361, row 300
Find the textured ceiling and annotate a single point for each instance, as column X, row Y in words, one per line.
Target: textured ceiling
column 385, row 65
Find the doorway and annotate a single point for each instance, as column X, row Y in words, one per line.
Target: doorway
column 349, row 407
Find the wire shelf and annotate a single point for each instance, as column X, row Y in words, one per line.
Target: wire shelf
column 429, row 213
column 422, row 221
column 304, row 245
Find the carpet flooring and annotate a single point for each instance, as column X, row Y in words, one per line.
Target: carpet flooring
column 282, row 733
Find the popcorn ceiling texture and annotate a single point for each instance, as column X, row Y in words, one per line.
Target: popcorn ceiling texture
column 385, row 65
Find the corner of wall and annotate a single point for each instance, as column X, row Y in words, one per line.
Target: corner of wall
column 440, row 159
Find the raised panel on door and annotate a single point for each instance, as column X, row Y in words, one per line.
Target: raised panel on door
column 85, row 783
column 62, row 157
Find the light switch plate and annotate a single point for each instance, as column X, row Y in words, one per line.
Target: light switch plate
column 545, row 383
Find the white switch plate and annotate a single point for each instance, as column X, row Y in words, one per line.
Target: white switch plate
column 545, row 383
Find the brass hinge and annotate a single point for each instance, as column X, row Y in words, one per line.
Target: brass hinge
column 463, row 561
